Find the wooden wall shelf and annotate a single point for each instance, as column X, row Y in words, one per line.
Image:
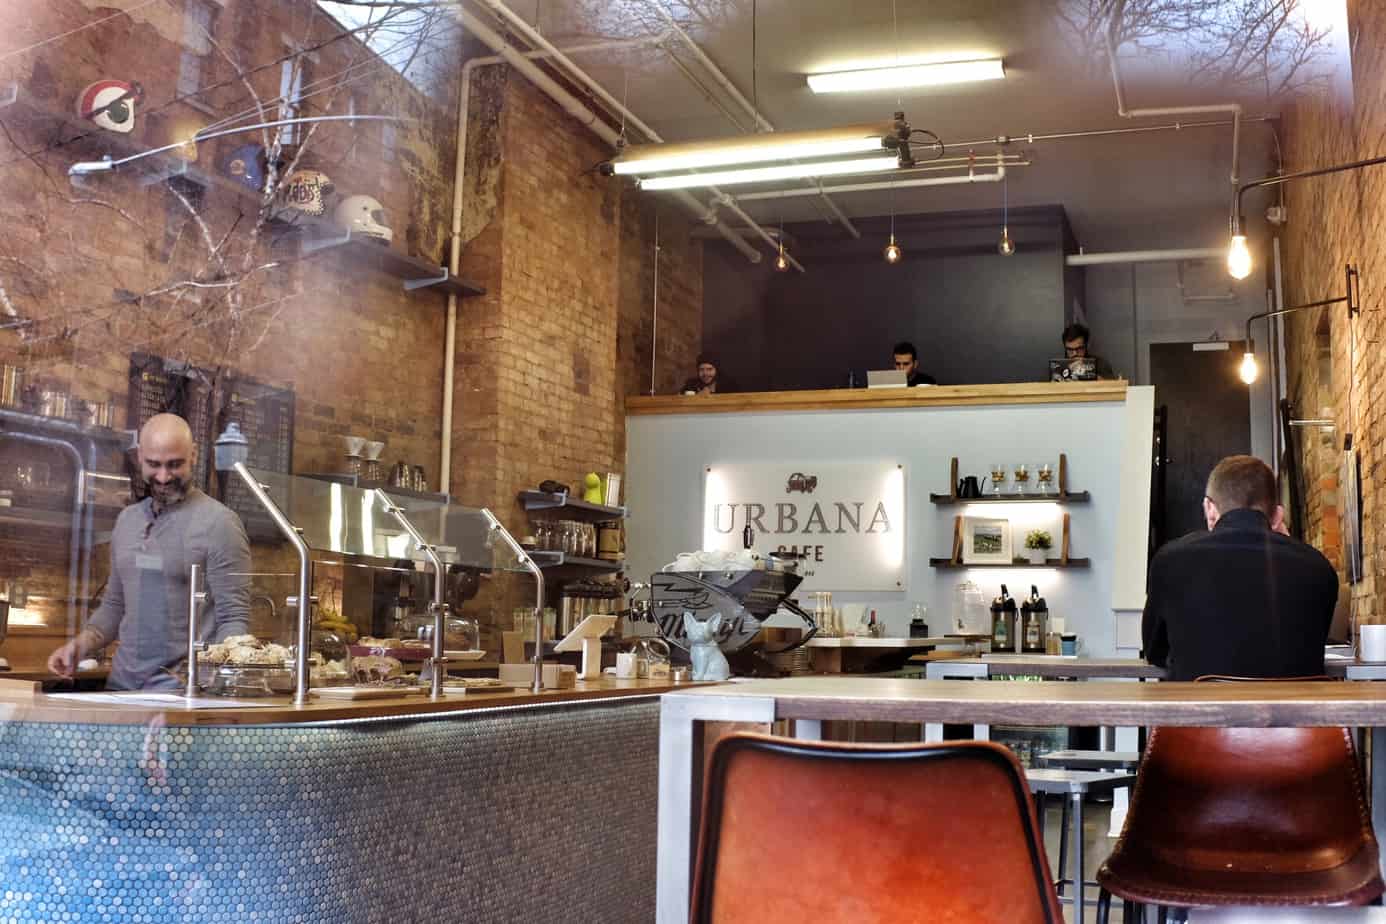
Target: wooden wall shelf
column 1073, row 497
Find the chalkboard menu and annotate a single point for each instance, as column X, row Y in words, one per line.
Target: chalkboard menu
column 208, row 401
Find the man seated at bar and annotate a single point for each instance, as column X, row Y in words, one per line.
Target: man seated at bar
column 707, row 381
column 907, row 361
column 1243, row 599
column 153, row 545
column 1076, row 338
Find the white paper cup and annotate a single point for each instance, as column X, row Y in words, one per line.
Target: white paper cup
column 625, row 665
column 1372, row 645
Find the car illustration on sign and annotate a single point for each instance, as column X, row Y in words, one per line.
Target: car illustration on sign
column 800, row 482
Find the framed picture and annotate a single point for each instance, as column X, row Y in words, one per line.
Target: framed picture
column 986, row 541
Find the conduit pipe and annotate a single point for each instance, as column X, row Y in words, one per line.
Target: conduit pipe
column 1145, row 256
column 1164, row 112
column 762, row 123
column 455, row 237
column 995, row 177
column 493, row 40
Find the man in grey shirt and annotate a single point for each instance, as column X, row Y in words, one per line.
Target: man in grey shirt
column 154, row 543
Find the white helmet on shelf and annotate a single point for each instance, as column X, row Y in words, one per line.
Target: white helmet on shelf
column 365, row 216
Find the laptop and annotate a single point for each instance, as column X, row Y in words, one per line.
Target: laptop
column 1077, row 369
column 886, row 378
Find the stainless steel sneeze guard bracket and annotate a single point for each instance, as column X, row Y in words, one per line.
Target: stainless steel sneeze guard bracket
column 305, row 579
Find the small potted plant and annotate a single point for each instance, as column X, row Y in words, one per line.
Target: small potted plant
column 1038, row 542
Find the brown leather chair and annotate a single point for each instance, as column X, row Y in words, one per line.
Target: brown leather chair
column 801, row 831
column 1245, row 816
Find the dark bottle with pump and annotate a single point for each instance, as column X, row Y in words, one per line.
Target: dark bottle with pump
column 1033, row 614
column 1003, row 622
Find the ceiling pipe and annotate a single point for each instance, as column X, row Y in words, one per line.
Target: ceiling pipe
column 1145, row 256
column 720, row 76
column 731, row 205
column 1163, row 112
column 995, row 177
column 578, row 110
column 532, row 35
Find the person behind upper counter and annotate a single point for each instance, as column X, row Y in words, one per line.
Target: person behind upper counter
column 153, row 545
column 708, row 381
column 1242, row 599
column 1076, row 339
column 907, row 361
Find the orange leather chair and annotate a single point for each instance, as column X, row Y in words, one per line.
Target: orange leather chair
column 801, row 831
column 1245, row 816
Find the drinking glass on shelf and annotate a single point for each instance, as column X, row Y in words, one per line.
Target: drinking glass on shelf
column 1044, row 477
column 543, row 535
column 589, row 535
column 1022, row 478
column 998, row 476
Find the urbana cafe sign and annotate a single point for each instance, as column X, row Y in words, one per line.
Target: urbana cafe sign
column 847, row 519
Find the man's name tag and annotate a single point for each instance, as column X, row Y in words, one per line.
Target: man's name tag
column 149, row 562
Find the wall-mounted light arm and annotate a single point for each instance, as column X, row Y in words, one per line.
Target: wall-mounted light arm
column 83, row 168
column 1238, row 255
column 1352, row 297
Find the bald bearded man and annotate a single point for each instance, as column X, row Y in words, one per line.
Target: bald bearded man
column 154, row 544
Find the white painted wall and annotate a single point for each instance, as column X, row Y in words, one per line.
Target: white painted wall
column 667, row 456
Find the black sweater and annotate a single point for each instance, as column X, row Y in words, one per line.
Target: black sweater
column 1239, row 600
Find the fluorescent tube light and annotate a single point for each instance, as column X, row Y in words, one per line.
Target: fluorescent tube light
column 907, row 75
column 768, row 174
column 644, row 159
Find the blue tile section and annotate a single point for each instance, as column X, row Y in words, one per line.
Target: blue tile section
column 524, row 815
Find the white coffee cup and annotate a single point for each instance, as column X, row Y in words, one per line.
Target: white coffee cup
column 625, row 665
column 1372, row 645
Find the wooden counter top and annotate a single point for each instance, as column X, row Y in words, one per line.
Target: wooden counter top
column 16, row 707
column 867, row 398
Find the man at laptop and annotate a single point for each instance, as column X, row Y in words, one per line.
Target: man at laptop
column 907, row 361
column 1076, row 337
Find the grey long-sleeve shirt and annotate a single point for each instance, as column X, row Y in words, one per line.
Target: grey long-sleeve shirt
column 146, row 601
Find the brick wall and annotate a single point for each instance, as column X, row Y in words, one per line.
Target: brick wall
column 544, row 360
column 1335, row 365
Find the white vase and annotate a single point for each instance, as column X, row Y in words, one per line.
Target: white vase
column 1038, row 556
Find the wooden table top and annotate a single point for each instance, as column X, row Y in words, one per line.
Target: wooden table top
column 1096, row 702
column 871, row 398
column 15, row 707
column 853, row 641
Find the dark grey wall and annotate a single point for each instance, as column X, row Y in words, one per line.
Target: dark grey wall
column 975, row 316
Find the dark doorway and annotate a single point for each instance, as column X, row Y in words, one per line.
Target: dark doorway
column 1209, row 418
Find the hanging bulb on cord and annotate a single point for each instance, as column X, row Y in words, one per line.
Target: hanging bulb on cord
column 781, row 260
column 893, row 253
column 1005, row 247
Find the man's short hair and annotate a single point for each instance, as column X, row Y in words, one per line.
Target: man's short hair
column 1242, row 482
column 1076, row 332
column 905, row 348
column 706, row 360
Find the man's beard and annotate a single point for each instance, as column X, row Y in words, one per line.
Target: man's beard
column 166, row 495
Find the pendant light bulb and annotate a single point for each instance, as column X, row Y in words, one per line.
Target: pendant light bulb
column 893, row 253
column 1239, row 257
column 1005, row 247
column 781, row 260
column 1248, row 370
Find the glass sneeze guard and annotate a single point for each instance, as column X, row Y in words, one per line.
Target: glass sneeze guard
column 323, row 516
column 348, row 520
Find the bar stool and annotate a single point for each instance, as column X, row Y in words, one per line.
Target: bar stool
column 1114, row 761
column 1245, row 816
column 831, row 833
column 1073, row 786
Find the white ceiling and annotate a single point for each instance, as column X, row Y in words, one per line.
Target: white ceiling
column 1121, row 191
